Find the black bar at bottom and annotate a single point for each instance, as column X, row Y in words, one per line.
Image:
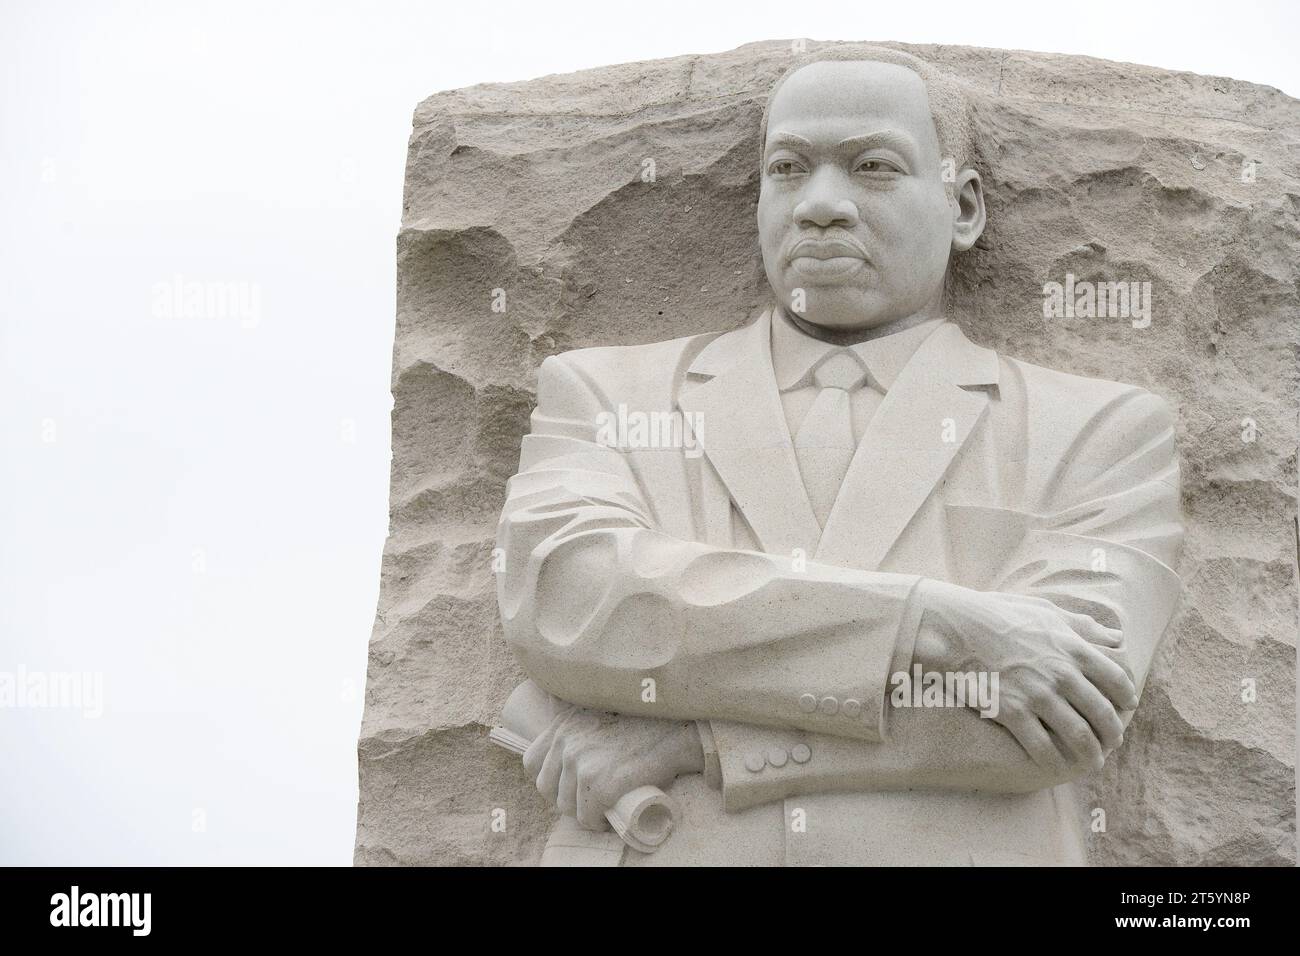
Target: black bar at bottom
column 336, row 906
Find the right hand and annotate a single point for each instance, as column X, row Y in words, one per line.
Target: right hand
column 1057, row 670
column 587, row 759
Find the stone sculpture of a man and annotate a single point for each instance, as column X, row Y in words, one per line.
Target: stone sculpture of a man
column 861, row 497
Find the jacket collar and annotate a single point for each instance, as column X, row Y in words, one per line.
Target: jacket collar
column 919, row 428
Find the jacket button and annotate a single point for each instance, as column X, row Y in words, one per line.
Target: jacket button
column 829, row 705
column 807, row 703
column 851, row 707
column 754, row 761
column 800, row 753
column 777, row 757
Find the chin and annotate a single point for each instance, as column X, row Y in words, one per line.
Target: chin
column 839, row 323
column 845, row 310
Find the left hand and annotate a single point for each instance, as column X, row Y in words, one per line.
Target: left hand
column 586, row 759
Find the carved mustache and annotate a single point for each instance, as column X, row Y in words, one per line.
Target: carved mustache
column 829, row 248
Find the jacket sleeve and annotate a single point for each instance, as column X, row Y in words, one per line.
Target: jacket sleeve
column 603, row 609
column 1103, row 542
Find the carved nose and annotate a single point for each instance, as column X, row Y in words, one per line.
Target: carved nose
column 825, row 212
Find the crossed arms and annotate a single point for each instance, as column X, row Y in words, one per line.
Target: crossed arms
column 596, row 600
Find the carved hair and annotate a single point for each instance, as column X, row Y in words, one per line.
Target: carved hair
column 950, row 100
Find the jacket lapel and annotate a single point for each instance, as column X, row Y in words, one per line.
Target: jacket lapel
column 731, row 392
column 915, row 434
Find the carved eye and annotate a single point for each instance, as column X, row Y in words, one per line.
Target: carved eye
column 876, row 166
column 784, row 167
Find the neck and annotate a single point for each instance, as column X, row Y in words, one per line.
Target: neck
column 854, row 336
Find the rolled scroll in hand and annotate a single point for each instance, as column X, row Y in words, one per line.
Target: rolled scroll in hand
column 643, row 817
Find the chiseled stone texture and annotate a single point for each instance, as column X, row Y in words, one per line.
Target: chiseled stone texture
column 1103, row 170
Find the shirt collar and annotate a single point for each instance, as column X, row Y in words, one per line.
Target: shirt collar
column 795, row 353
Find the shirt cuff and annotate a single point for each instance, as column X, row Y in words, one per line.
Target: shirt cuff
column 909, row 626
column 712, row 765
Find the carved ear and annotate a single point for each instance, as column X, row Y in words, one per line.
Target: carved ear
column 968, row 223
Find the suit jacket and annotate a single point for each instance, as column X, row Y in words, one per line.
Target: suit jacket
column 683, row 574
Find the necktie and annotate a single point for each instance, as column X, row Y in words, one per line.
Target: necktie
column 825, row 443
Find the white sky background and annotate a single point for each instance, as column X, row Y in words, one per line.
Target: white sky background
column 200, row 531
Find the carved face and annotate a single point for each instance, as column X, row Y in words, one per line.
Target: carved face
column 854, row 217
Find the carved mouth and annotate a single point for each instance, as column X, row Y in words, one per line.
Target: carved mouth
column 825, row 249
column 828, row 269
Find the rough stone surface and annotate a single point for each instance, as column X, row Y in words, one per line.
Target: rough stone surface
column 1107, row 171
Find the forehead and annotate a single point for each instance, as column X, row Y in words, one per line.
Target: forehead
column 849, row 97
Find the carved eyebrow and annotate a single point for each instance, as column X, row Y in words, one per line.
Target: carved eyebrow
column 889, row 138
column 892, row 139
column 790, row 140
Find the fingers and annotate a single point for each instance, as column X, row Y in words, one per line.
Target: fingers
column 585, row 761
column 1074, row 733
column 1112, row 679
column 538, row 750
column 553, row 758
column 1031, row 736
column 1097, row 710
column 1092, row 632
column 548, row 778
column 1120, row 659
column 560, row 781
column 591, row 809
column 566, row 796
column 1102, row 661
